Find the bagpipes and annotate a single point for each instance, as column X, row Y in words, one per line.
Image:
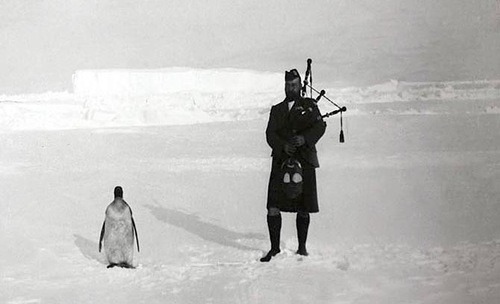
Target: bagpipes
column 303, row 117
column 308, row 84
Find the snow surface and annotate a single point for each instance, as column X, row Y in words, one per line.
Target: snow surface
column 409, row 204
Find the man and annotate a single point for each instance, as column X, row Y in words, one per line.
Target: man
column 295, row 126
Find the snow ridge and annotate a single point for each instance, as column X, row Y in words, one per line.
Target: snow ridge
column 177, row 96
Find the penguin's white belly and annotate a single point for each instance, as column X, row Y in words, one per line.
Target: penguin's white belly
column 119, row 240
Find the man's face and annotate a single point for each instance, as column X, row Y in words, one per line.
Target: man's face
column 293, row 88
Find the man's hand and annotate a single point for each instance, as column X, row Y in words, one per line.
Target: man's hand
column 289, row 149
column 298, row 140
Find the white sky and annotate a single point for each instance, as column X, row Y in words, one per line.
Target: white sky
column 42, row 42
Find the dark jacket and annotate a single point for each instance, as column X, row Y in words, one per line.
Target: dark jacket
column 282, row 126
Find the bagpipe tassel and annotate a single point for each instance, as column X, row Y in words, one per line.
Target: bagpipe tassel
column 341, row 139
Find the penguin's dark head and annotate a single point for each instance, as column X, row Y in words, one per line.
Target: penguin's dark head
column 118, row 192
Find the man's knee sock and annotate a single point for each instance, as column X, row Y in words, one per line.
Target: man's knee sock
column 302, row 223
column 274, row 226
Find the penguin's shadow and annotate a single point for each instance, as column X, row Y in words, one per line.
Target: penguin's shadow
column 89, row 249
column 207, row 231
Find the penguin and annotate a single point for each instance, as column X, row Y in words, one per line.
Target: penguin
column 117, row 232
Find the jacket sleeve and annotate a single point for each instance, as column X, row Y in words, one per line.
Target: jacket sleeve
column 273, row 139
column 314, row 133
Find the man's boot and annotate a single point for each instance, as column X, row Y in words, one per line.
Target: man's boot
column 302, row 223
column 274, row 225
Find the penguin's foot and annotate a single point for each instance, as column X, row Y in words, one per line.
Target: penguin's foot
column 270, row 255
column 126, row 265
column 122, row 265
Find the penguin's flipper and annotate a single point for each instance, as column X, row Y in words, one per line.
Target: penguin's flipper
column 102, row 235
column 136, row 237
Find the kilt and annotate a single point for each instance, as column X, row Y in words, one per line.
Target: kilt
column 306, row 202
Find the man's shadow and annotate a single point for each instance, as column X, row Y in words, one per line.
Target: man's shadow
column 207, row 231
column 89, row 249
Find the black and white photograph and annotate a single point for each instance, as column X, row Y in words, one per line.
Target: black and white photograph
column 230, row 151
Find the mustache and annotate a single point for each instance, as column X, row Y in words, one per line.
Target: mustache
column 292, row 93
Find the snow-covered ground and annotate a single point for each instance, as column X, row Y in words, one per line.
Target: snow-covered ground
column 409, row 203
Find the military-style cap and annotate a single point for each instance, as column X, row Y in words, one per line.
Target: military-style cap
column 291, row 75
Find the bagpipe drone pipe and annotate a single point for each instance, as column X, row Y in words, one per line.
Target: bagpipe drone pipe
column 321, row 94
